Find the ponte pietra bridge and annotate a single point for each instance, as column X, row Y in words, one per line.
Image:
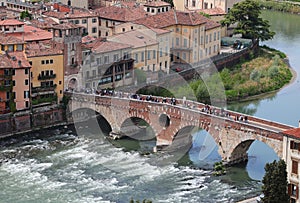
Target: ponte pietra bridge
column 232, row 134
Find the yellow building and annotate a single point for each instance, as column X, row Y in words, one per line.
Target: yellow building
column 47, row 75
column 193, row 36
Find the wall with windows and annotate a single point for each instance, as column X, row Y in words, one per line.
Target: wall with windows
column 21, row 88
column 292, row 158
column 212, row 42
column 47, row 74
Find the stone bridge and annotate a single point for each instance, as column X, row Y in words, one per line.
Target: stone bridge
column 171, row 122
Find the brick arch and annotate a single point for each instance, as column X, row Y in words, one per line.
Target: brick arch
column 90, row 115
column 136, row 132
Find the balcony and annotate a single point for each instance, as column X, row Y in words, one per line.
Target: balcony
column 43, row 89
column 46, row 77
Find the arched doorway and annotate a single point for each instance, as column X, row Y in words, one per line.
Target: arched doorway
column 72, row 84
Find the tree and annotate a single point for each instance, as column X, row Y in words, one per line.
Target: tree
column 25, row 14
column 275, row 183
column 245, row 15
column 170, row 2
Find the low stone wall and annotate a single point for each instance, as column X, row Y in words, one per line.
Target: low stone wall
column 11, row 124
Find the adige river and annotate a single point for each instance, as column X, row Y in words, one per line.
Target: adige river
column 63, row 165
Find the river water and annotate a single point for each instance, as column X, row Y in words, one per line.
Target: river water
column 68, row 165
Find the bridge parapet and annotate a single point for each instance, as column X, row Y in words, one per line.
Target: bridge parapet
column 223, row 125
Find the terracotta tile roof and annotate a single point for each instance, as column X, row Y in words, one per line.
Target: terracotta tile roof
column 65, row 26
column 15, row 59
column 88, row 39
column 76, row 13
column 5, row 61
column 157, row 4
column 32, row 34
column 43, row 23
column 173, row 17
column 210, row 24
column 8, row 39
column 41, row 49
column 121, row 14
column 100, row 46
column 11, row 22
column 212, row 11
column 295, row 132
column 134, row 38
column 159, row 31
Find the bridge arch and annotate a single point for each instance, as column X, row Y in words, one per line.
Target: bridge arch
column 92, row 119
column 137, row 128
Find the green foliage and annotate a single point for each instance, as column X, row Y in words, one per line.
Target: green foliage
column 245, row 15
column 255, row 75
column 273, row 71
column 205, row 15
column 140, row 76
column 137, row 201
column 219, row 169
column 25, row 14
column 12, row 106
column 275, row 183
column 44, row 100
column 170, row 2
column 283, row 6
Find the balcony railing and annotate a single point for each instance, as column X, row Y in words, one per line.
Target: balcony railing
column 46, row 77
column 43, row 89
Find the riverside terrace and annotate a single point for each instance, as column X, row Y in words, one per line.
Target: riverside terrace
column 233, row 132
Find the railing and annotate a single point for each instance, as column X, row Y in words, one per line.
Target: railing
column 43, row 89
column 252, row 121
column 46, row 77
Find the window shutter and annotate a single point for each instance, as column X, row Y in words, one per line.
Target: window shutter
column 291, row 144
column 290, row 189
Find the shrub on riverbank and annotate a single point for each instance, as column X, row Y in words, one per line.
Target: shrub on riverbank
column 264, row 73
column 280, row 6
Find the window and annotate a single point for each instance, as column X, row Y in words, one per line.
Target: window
column 94, row 72
column 13, row 72
column 106, row 23
column 51, row 61
column 215, row 36
column 14, row 83
column 201, row 40
column 59, row 82
column 158, row 10
column 193, row 3
column 94, row 30
column 42, row 62
column 123, row 29
column 76, row 21
column 160, row 52
column 294, row 167
column 83, row 21
column 185, row 30
column 136, row 58
column 206, row 40
column 154, row 54
column 148, row 9
column 27, row 104
column 294, row 145
column 185, row 42
column 20, row 47
column 218, row 35
column 106, row 59
column 94, row 20
column 26, row 94
column 178, row 55
column 184, row 56
column 177, row 41
column 142, row 56
column 116, row 57
column 10, row 47
column 26, row 82
column 210, row 36
column 26, row 71
column 149, row 55
column 166, row 51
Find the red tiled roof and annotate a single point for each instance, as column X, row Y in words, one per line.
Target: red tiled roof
column 41, row 49
column 210, row 24
column 100, row 46
column 120, row 13
column 66, row 26
column 295, row 132
column 88, row 39
column 44, row 23
column 8, row 39
column 157, row 4
column 173, row 17
column 4, row 61
column 212, row 11
column 15, row 59
column 32, row 34
column 75, row 13
column 11, row 22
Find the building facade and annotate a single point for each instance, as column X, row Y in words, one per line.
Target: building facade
column 106, row 64
column 47, row 73
column 15, row 77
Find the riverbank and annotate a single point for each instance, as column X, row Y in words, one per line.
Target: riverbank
column 282, row 6
column 271, row 93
